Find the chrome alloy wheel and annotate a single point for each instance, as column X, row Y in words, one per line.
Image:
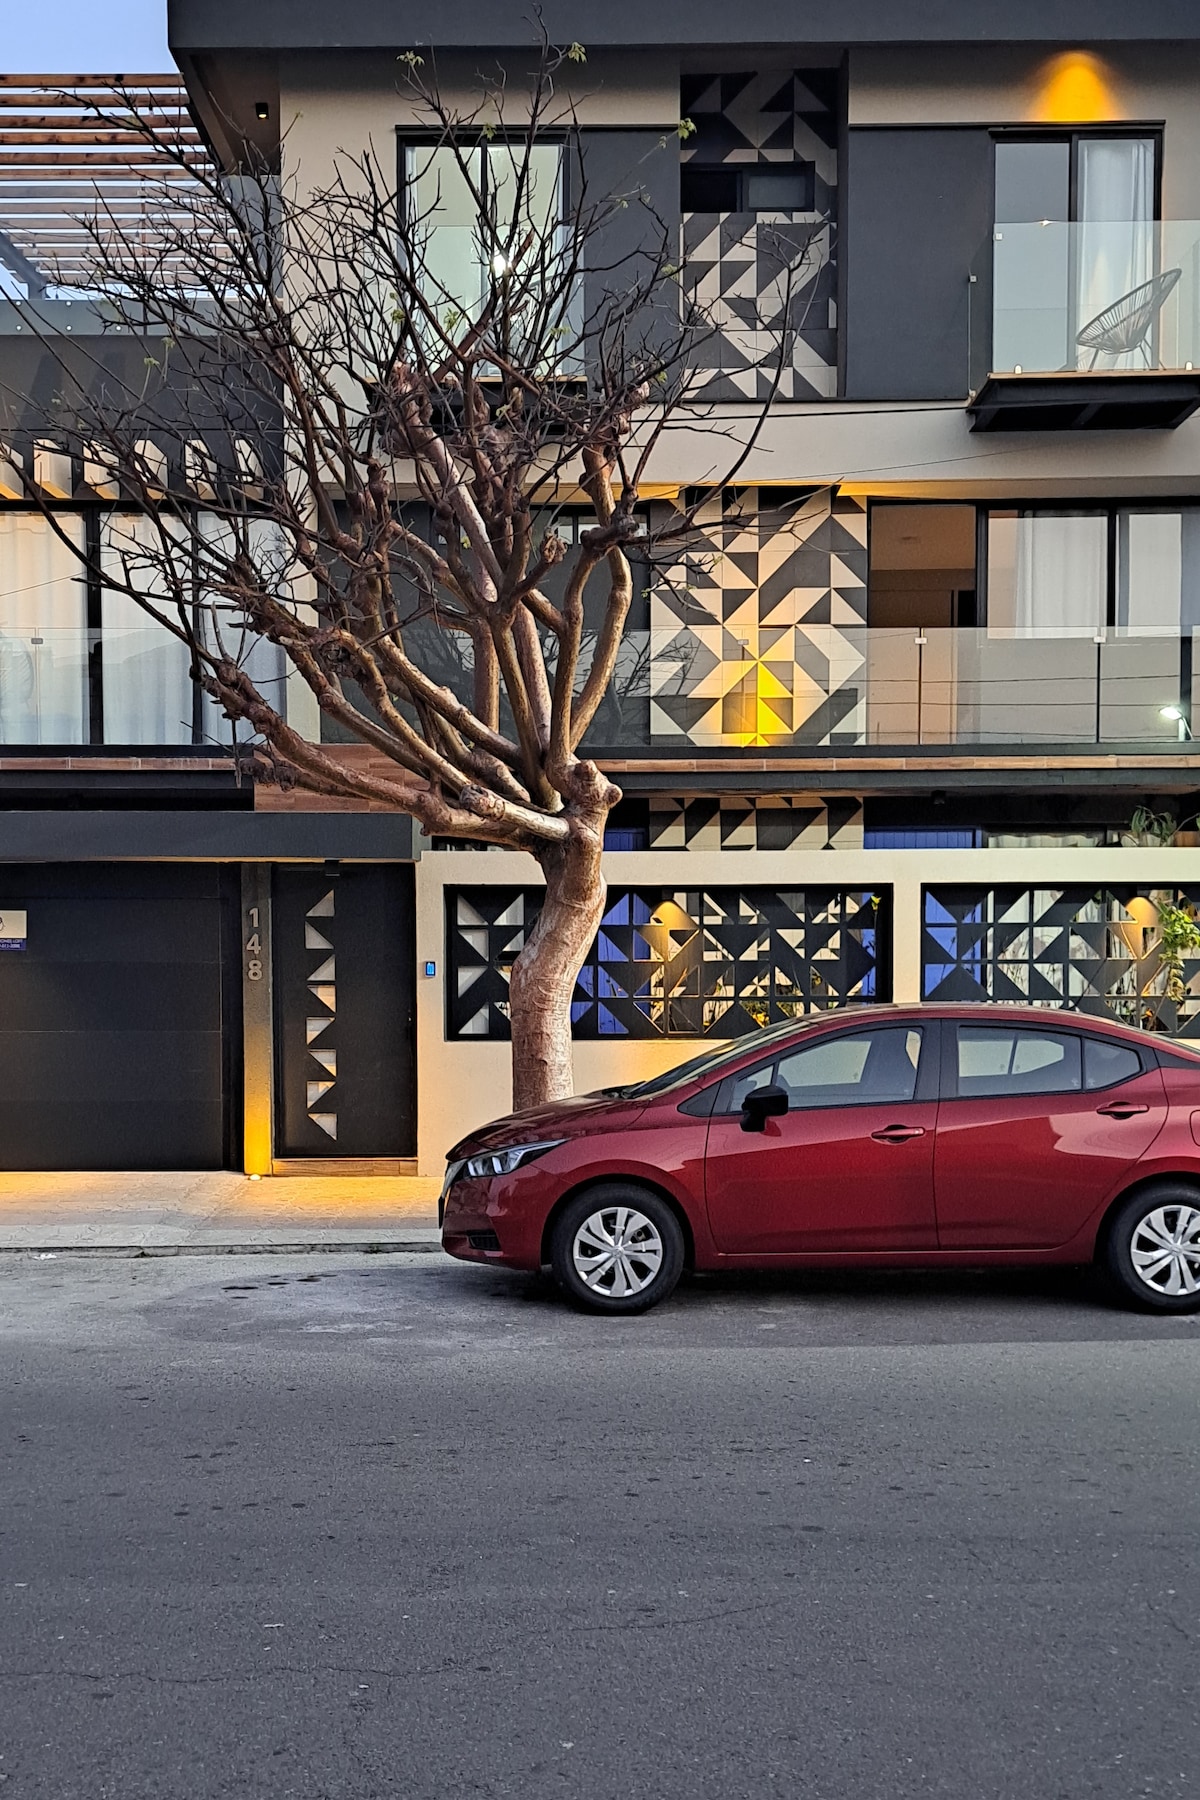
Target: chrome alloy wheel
column 1165, row 1250
column 617, row 1251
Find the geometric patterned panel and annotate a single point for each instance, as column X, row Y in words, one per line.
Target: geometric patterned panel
column 717, row 962
column 775, row 822
column 1078, row 948
column 757, row 634
column 754, row 276
column 756, row 279
column 320, row 1104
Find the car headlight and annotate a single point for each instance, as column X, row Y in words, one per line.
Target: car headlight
column 504, row 1162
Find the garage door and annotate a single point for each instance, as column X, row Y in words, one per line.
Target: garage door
column 118, row 1020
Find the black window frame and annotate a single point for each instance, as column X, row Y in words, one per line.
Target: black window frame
column 738, row 174
column 1071, row 136
column 407, row 140
column 1108, row 508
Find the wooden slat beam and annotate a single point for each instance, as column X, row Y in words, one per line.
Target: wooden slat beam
column 10, row 101
column 173, row 81
column 119, row 161
column 77, row 124
column 88, row 140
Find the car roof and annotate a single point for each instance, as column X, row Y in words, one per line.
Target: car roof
column 994, row 1011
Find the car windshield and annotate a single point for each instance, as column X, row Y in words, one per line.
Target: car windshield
column 710, row 1061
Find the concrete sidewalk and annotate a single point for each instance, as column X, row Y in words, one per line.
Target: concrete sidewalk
column 164, row 1214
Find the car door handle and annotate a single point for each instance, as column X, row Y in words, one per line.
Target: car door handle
column 1122, row 1109
column 898, row 1134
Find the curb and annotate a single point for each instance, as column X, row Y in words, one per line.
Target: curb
column 301, row 1247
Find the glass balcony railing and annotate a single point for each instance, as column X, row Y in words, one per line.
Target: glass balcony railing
column 1102, row 295
column 876, row 686
column 872, row 687
column 128, row 684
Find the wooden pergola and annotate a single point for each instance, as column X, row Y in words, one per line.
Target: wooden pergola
column 85, row 152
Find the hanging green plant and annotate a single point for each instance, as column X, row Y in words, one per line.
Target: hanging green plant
column 1178, row 935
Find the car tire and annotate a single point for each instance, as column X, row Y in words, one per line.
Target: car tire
column 1151, row 1249
column 617, row 1249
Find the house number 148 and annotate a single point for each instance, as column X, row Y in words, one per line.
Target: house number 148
column 254, row 968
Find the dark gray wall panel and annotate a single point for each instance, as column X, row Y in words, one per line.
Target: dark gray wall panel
column 638, row 169
column 195, row 25
column 119, row 1024
column 62, row 836
column 917, row 221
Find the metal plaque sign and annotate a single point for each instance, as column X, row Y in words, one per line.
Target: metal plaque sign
column 13, row 930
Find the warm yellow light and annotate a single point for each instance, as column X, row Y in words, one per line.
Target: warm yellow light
column 1074, row 89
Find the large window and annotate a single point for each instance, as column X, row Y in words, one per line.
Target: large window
column 1133, row 571
column 43, row 631
column 486, row 219
column 1075, row 236
column 83, row 663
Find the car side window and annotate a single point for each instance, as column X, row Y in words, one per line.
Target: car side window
column 1106, row 1063
column 995, row 1060
column 859, row 1068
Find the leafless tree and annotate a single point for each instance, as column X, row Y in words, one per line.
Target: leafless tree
column 393, row 389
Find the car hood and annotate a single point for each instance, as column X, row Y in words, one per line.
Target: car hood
column 576, row 1116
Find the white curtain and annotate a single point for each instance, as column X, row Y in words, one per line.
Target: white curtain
column 1046, row 574
column 1149, row 573
column 223, row 626
column 148, row 691
column 43, row 631
column 1115, row 250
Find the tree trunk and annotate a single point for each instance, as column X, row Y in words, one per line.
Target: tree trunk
column 542, row 983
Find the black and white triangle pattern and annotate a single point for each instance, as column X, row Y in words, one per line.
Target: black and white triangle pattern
column 759, row 280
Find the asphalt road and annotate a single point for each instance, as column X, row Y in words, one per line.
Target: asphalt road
column 340, row 1527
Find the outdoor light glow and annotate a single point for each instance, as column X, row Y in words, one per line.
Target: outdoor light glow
column 499, row 265
column 1169, row 712
column 1072, row 89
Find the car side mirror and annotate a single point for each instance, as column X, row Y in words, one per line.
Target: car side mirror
column 762, row 1104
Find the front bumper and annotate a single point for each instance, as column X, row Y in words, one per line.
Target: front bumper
column 496, row 1219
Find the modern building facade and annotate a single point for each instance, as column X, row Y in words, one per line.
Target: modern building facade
column 913, row 722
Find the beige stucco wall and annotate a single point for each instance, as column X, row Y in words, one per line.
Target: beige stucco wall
column 927, row 449
column 347, row 102
column 463, row 1085
column 1147, row 84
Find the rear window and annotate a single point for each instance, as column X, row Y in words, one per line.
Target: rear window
column 1106, row 1063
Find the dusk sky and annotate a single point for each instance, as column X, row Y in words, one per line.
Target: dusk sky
column 81, row 37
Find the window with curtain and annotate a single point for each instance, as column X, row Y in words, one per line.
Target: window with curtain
column 1051, row 573
column 1115, row 247
column 1158, row 571
column 1047, row 574
column 43, row 631
column 223, row 626
column 1075, row 233
column 148, row 691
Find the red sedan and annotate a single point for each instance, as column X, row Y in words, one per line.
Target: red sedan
column 894, row 1136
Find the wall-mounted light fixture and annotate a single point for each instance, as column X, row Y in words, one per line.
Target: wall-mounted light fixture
column 261, row 109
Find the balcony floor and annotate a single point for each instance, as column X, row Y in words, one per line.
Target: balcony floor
column 1087, row 400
